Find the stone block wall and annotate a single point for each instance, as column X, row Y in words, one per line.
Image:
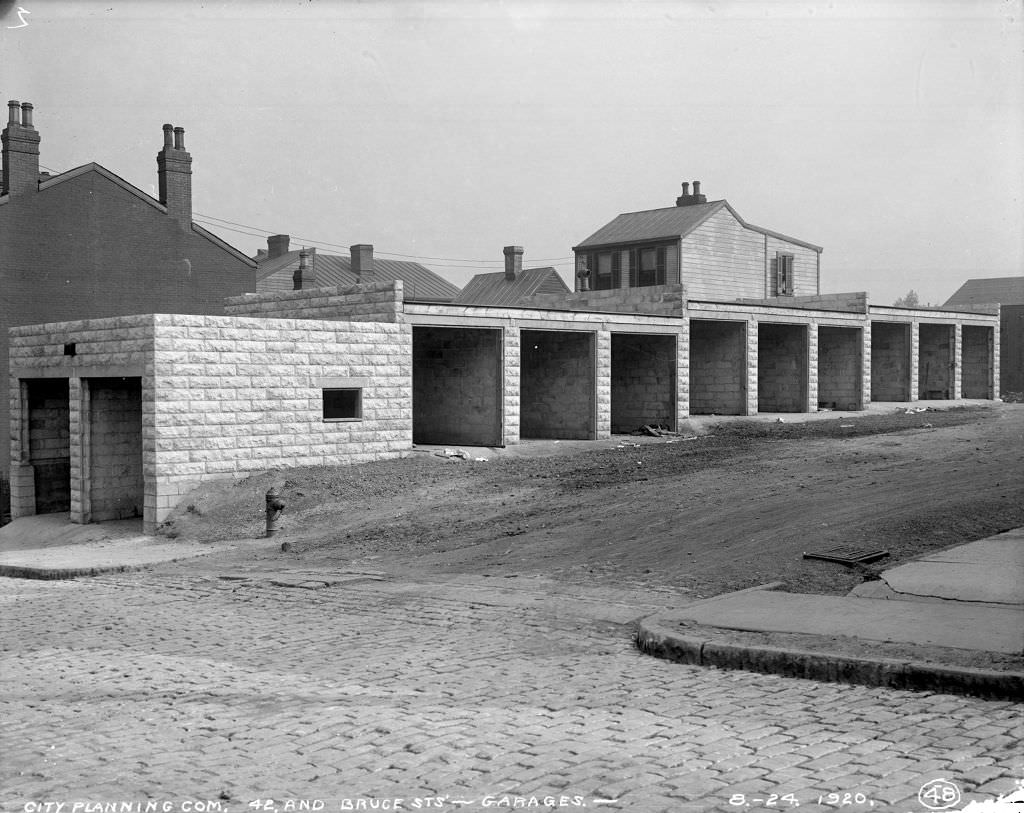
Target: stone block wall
column 718, row 362
column 116, row 486
column 558, row 391
column 661, row 300
column 457, row 390
column 891, row 359
column 643, row 381
column 840, row 369
column 936, row 354
column 238, row 395
column 368, row 302
column 782, row 354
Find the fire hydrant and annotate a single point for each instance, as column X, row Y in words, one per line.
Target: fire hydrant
column 275, row 507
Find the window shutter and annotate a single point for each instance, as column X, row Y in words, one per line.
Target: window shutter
column 616, row 269
column 660, row 278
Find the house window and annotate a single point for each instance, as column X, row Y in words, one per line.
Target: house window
column 650, row 266
column 343, row 404
column 607, row 270
column 783, row 274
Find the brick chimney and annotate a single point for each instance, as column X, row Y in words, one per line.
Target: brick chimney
column 513, row 262
column 174, row 175
column 277, row 245
column 686, row 199
column 362, row 262
column 20, row 151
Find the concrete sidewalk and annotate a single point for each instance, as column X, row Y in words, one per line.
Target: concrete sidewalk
column 48, row 546
column 969, row 597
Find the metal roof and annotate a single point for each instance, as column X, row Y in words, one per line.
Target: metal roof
column 672, row 222
column 1004, row 290
column 495, row 289
column 419, row 282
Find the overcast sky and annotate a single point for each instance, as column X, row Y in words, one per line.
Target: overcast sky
column 891, row 133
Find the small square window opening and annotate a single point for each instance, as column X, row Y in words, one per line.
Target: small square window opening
column 343, row 404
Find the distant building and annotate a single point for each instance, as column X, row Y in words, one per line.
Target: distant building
column 513, row 286
column 705, row 246
column 280, row 269
column 86, row 244
column 1008, row 292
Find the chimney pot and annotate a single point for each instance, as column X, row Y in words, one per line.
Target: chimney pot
column 168, row 137
column 179, row 138
column 277, row 245
column 696, row 188
column 20, row 148
column 513, row 261
column 299, row 277
column 686, row 187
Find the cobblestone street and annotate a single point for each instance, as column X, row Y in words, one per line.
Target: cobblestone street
column 448, row 695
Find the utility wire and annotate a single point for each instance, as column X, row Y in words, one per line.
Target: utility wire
column 315, row 242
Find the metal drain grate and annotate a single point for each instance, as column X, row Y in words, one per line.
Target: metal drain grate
column 847, row 554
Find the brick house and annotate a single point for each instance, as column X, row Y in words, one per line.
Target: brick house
column 87, row 244
column 1008, row 292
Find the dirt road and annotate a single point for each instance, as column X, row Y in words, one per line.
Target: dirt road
column 720, row 511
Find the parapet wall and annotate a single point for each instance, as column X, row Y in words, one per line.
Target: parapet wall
column 656, row 300
column 369, row 302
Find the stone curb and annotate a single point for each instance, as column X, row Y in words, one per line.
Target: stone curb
column 655, row 638
column 59, row 573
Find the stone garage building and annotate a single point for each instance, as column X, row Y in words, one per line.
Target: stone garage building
column 146, row 407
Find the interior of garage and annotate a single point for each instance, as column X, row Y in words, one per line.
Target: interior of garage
column 643, row 381
column 49, row 444
column 935, row 362
column 840, row 379
column 456, row 386
column 781, row 367
column 977, row 363
column 718, row 367
column 557, row 385
column 890, row 361
column 114, row 449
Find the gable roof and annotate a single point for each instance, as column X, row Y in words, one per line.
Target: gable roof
column 671, row 222
column 419, row 282
column 495, row 289
column 1004, row 290
column 50, row 181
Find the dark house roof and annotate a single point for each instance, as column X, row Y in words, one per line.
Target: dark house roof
column 419, row 282
column 1004, row 290
column 497, row 289
column 48, row 181
column 671, row 222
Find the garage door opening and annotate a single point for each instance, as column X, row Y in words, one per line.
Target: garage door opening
column 49, row 443
column 840, row 368
column 781, row 368
column 890, row 361
column 114, row 453
column 643, row 381
column 935, row 365
column 977, row 367
column 718, row 367
column 557, row 385
column 456, row 386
